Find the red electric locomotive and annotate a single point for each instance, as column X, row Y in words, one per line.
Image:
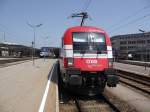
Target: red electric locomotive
column 86, row 60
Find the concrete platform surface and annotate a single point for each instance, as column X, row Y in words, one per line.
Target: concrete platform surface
column 140, row 102
column 22, row 86
column 52, row 100
column 132, row 68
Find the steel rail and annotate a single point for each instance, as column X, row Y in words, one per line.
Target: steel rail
column 136, row 77
column 139, row 82
column 88, row 104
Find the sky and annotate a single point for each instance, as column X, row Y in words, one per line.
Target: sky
column 116, row 17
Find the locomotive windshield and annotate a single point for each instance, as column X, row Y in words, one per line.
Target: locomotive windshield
column 88, row 41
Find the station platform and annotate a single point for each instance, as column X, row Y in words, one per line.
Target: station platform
column 23, row 87
column 141, row 70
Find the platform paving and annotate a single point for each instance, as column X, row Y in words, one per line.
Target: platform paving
column 52, row 101
column 22, row 86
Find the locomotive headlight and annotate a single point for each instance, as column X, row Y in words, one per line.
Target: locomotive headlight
column 110, row 63
column 70, row 61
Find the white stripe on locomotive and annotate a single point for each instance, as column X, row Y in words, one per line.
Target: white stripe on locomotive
column 68, row 49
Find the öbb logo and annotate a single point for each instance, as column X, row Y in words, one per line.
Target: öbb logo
column 91, row 61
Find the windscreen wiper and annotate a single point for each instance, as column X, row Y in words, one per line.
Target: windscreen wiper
column 98, row 50
column 82, row 52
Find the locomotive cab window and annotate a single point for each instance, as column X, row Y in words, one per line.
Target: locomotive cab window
column 88, row 42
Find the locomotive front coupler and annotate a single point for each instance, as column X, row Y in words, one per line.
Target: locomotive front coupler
column 112, row 78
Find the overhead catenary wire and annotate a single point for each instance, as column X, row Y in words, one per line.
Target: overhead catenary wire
column 86, row 6
column 131, row 22
column 2, row 26
column 4, row 29
column 128, row 17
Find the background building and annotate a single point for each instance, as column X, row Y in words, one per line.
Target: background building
column 15, row 50
column 132, row 46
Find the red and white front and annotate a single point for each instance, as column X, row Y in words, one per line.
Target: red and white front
column 88, row 61
column 87, row 50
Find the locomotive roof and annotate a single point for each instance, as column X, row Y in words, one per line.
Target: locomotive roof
column 68, row 38
column 85, row 28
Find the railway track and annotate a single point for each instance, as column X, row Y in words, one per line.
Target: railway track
column 139, row 82
column 138, row 63
column 106, row 102
column 87, row 104
column 69, row 102
column 12, row 60
column 9, row 62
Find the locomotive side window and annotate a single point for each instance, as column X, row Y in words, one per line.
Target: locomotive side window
column 88, row 42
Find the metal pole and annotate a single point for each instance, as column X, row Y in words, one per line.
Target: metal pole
column 145, row 57
column 34, row 46
column 44, row 57
column 32, row 52
column 4, row 36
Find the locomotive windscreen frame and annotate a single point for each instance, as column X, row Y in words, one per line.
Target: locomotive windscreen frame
column 89, row 42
